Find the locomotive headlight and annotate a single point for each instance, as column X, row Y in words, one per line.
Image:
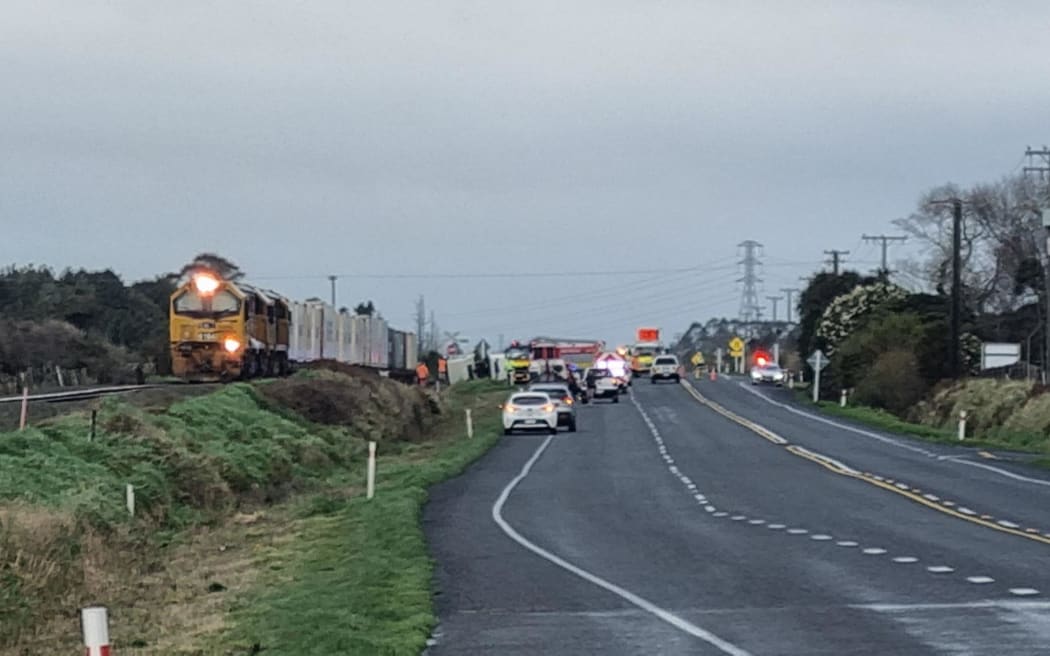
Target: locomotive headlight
column 205, row 283
column 231, row 344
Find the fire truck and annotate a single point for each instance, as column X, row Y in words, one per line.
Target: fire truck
column 553, row 356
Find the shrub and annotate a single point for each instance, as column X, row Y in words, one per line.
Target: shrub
column 893, row 383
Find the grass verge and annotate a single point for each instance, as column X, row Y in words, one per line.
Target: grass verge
column 882, row 420
column 357, row 577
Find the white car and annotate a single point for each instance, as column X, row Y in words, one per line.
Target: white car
column 665, row 367
column 601, row 384
column 530, row 411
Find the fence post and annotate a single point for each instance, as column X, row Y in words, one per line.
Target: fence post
column 94, row 422
column 371, row 469
column 24, row 417
column 470, row 424
column 94, row 623
column 962, row 424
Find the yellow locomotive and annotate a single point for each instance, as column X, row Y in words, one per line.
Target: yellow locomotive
column 223, row 330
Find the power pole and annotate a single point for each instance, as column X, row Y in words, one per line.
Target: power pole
column 835, row 257
column 332, row 280
column 774, row 300
column 885, row 239
column 750, row 309
column 421, row 321
column 788, row 291
column 1039, row 162
column 956, row 283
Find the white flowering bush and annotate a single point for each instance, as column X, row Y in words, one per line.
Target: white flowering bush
column 846, row 313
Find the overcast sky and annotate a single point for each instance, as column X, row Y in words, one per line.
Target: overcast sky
column 302, row 139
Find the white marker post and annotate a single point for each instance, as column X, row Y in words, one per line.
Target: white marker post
column 470, row 423
column 962, row 424
column 842, row 398
column 718, row 359
column 816, row 377
column 25, row 408
column 129, row 498
column 94, row 622
column 371, row 469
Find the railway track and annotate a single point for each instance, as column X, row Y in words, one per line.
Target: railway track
column 88, row 393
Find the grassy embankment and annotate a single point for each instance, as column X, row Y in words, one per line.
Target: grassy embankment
column 248, row 505
column 1005, row 415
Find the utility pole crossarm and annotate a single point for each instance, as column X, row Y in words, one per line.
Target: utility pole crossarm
column 836, row 256
column 885, row 240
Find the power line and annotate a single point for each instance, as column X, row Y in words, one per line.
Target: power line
column 487, row 274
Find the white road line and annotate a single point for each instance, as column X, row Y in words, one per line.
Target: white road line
column 897, row 443
column 1024, row 592
column 775, row 527
column 905, row 559
column 874, row 551
column 820, row 537
column 628, row 596
column 756, row 522
column 940, row 569
column 846, row 543
column 797, row 531
column 738, row 518
column 980, row 580
column 1019, row 605
column 720, row 514
column 1003, row 522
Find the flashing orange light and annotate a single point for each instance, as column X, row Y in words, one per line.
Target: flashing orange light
column 231, row 344
column 205, row 283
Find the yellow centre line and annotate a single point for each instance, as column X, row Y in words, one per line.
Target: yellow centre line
column 762, row 431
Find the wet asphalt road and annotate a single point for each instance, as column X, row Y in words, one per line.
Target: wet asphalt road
column 666, row 527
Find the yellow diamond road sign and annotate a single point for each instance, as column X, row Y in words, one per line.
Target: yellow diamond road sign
column 697, row 359
column 736, row 346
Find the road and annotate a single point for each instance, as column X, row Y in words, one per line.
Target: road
column 718, row 521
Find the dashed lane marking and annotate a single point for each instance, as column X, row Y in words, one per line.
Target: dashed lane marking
column 980, row 580
column 834, row 465
column 679, row 623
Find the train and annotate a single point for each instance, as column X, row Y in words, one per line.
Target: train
column 223, row 330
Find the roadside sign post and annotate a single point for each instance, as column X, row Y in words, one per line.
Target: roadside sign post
column 736, row 351
column 718, row 359
column 818, row 361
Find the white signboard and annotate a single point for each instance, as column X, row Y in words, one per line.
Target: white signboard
column 997, row 354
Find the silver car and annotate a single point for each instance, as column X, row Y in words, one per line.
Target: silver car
column 563, row 401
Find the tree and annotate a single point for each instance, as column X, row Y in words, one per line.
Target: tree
column 822, row 289
column 213, row 262
column 365, row 309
